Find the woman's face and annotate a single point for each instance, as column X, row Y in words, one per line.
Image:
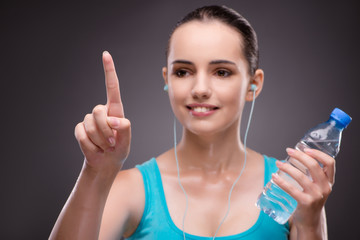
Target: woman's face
column 207, row 76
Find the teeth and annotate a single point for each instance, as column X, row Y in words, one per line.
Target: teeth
column 201, row 109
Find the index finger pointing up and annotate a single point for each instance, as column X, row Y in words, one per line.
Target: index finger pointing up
column 114, row 104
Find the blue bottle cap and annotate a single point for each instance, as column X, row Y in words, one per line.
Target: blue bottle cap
column 341, row 117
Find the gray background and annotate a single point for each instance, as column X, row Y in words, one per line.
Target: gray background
column 51, row 76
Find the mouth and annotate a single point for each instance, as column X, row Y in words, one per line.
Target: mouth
column 201, row 108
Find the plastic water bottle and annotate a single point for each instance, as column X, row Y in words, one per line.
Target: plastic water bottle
column 325, row 137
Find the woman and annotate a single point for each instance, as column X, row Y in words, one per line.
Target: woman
column 212, row 61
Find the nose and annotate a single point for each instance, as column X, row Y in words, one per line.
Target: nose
column 202, row 87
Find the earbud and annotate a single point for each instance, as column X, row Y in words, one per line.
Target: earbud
column 253, row 87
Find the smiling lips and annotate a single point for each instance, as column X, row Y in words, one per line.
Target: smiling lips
column 201, row 110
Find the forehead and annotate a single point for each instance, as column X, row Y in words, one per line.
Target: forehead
column 206, row 40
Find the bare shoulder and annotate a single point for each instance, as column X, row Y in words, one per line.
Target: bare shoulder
column 166, row 160
column 130, row 182
column 131, row 176
column 124, row 206
column 257, row 159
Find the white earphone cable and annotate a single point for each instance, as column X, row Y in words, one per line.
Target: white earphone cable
column 232, row 187
column 181, row 186
column 242, row 170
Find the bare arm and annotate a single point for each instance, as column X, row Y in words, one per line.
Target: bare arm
column 316, row 232
column 104, row 137
column 81, row 216
column 124, row 206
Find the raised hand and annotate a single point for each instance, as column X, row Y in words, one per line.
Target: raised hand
column 105, row 134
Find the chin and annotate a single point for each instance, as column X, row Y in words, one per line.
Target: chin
column 207, row 129
column 219, row 123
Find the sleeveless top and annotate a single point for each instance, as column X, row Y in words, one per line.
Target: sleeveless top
column 156, row 222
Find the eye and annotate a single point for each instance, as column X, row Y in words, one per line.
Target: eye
column 181, row 73
column 223, row 73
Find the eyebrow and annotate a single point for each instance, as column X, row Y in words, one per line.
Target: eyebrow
column 212, row 62
column 182, row 62
column 222, row 61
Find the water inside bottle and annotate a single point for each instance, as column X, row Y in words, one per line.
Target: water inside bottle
column 276, row 203
column 330, row 147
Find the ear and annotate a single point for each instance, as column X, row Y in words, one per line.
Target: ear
column 164, row 73
column 258, row 80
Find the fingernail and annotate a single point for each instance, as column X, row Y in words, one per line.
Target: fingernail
column 112, row 141
column 308, row 150
column 275, row 175
column 290, row 150
column 105, row 52
column 279, row 163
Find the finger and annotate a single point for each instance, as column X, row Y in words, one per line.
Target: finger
column 317, row 191
column 320, row 187
column 312, row 167
column 94, row 134
column 121, row 126
column 297, row 178
column 114, row 122
column 123, row 135
column 302, row 197
column 85, row 143
column 287, row 186
column 114, row 104
column 100, row 117
column 327, row 161
column 300, row 187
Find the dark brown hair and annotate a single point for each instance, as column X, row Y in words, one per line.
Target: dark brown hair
column 232, row 19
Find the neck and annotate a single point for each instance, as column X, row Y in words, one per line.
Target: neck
column 213, row 153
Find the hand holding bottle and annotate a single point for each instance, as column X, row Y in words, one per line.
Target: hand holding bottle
column 315, row 190
column 305, row 179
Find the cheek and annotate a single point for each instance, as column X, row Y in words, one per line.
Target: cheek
column 233, row 104
column 177, row 92
column 177, row 98
column 180, row 89
column 232, row 95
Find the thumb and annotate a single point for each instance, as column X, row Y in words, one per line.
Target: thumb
column 121, row 128
column 122, row 133
column 114, row 122
column 121, row 125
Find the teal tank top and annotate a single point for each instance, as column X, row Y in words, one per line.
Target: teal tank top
column 156, row 222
